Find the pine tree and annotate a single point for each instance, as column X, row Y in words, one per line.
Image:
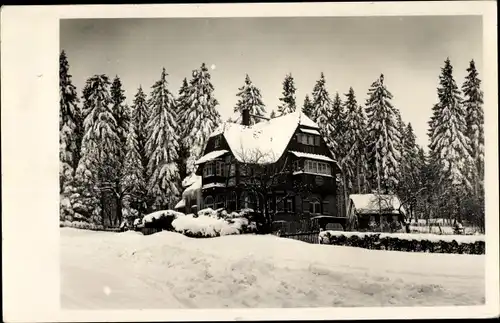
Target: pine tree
column 120, row 112
column 308, row 107
column 410, row 165
column 355, row 143
column 133, row 181
column 200, row 116
column 288, row 104
column 321, row 99
column 139, row 117
column 162, row 146
column 474, row 118
column 449, row 146
column 98, row 167
column 70, row 124
column 383, row 137
column 250, row 99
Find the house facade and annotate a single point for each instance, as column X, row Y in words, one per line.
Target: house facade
column 376, row 210
column 282, row 164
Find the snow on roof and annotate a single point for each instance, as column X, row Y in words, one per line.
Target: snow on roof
column 211, row 156
column 311, row 131
column 193, row 187
column 312, row 156
column 180, row 204
column 265, row 141
column 369, row 203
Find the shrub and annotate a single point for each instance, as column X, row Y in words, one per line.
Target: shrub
column 406, row 242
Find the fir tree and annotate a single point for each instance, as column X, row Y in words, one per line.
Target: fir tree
column 308, row 107
column 338, row 129
column 355, row 143
column 200, row 116
column 162, row 146
column 383, row 137
column 288, row 104
column 183, row 152
column 70, row 124
column 98, row 167
column 250, row 99
column 120, row 112
column 133, row 181
column 139, row 118
column 321, row 99
column 410, row 165
column 474, row 118
column 449, row 147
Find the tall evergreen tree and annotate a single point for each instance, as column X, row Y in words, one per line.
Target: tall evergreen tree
column 183, row 152
column 338, row 126
column 355, row 143
column 474, row 118
column 70, row 124
column 288, row 104
column 139, row 117
column 121, row 112
column 383, row 137
column 410, row 165
column 98, row 167
column 307, row 107
column 200, row 116
column 133, row 181
column 162, row 146
column 449, row 147
column 250, row 99
column 321, row 99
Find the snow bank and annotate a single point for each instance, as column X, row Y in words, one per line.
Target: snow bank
column 168, row 270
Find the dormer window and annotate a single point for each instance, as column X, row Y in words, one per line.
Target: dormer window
column 307, row 139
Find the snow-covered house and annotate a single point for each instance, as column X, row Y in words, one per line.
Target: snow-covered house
column 290, row 144
column 375, row 208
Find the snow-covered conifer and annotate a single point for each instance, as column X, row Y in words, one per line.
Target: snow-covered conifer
column 162, row 146
column 383, row 137
column 200, row 116
column 70, row 124
column 139, row 117
column 120, row 112
column 183, row 152
column 449, row 146
column 288, row 104
column 133, row 182
column 307, row 107
column 473, row 103
column 250, row 99
column 355, row 165
column 321, row 99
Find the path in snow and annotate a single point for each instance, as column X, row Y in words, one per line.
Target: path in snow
column 102, row 270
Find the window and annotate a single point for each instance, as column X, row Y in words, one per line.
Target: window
column 326, row 207
column 299, row 138
column 209, row 202
column 280, row 205
column 232, row 169
column 317, row 167
column 231, row 204
column 296, row 165
column 217, row 142
column 208, row 169
column 315, row 206
column 219, row 168
column 219, row 202
column 316, row 140
column 289, row 205
column 310, row 140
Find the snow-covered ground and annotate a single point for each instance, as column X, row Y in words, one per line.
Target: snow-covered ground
column 103, row 270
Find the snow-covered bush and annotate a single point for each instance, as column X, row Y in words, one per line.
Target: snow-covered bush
column 161, row 219
column 207, row 224
column 81, row 225
column 406, row 242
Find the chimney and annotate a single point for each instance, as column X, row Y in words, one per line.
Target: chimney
column 245, row 117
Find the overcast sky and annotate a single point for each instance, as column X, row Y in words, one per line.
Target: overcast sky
column 351, row 51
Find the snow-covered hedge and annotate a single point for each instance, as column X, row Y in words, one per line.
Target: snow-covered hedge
column 462, row 244
column 206, row 223
column 81, row 225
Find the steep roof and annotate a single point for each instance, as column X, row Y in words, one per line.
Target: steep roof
column 369, row 203
column 264, row 142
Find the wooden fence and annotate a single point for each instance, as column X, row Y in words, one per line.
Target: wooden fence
column 309, row 237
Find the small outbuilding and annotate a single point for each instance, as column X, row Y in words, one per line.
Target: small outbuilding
column 368, row 211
